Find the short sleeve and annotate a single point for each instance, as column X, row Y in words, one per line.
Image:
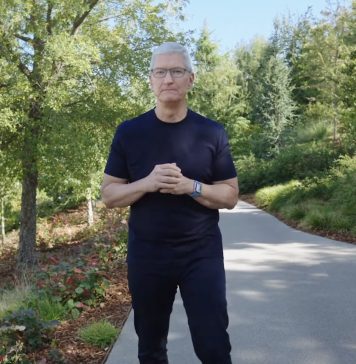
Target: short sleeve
column 116, row 164
column 223, row 167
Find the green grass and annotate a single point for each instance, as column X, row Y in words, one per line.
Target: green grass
column 11, row 300
column 47, row 308
column 101, row 334
column 273, row 197
column 22, row 296
column 327, row 202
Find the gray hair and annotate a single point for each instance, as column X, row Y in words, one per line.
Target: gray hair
column 172, row 47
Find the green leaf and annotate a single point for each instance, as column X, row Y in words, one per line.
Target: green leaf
column 79, row 290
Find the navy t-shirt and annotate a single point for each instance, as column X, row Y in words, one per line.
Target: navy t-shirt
column 164, row 224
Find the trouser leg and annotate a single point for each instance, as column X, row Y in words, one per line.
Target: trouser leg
column 153, row 290
column 204, row 295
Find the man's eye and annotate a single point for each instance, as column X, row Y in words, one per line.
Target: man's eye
column 160, row 72
column 177, row 72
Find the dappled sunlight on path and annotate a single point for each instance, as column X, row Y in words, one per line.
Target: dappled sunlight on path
column 291, row 294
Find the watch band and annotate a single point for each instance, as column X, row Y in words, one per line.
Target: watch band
column 197, row 187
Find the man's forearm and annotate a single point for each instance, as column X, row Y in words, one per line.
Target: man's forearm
column 122, row 195
column 218, row 196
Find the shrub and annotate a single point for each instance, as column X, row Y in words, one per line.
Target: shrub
column 274, row 196
column 74, row 286
column 26, row 327
column 318, row 218
column 301, row 161
column 294, row 212
column 313, row 131
column 252, row 173
column 327, row 202
column 113, row 253
column 101, row 334
column 293, row 162
column 56, row 356
column 13, row 355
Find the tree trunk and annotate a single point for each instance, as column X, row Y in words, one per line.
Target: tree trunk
column 90, row 208
column 3, row 237
column 27, row 239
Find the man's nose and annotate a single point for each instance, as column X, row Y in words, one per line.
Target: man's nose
column 168, row 77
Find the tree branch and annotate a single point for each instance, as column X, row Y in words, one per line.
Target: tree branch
column 24, row 38
column 49, row 18
column 79, row 19
column 22, row 67
column 13, row 57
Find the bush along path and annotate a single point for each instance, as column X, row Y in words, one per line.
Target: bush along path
column 324, row 205
column 72, row 307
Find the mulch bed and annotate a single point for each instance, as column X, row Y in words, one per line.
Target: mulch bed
column 115, row 307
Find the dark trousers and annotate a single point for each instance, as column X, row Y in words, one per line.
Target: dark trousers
column 153, row 286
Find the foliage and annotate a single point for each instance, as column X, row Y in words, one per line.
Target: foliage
column 101, row 334
column 301, row 161
column 11, row 300
column 252, row 173
column 47, row 307
column 308, row 132
column 108, row 254
column 75, row 287
column 26, row 327
column 318, row 59
column 216, row 94
column 57, row 356
column 293, row 162
column 14, row 355
column 327, row 202
column 69, row 71
column 273, row 106
column 268, row 197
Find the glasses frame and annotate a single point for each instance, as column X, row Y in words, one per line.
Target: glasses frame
column 170, row 70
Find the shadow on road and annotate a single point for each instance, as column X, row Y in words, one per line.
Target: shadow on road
column 292, row 295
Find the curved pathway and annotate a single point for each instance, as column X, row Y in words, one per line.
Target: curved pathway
column 291, row 295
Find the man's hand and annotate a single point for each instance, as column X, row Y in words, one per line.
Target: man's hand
column 182, row 186
column 164, row 177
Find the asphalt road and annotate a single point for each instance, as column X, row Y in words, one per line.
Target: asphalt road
column 291, row 295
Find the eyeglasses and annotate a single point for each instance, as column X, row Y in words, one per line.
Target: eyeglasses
column 176, row 72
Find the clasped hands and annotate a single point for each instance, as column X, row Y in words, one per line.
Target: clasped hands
column 168, row 178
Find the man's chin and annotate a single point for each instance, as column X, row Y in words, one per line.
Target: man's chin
column 170, row 99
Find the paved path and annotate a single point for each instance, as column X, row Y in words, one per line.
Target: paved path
column 292, row 297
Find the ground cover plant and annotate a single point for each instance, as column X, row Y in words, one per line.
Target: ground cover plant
column 79, row 279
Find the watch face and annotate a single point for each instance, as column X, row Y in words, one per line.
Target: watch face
column 198, row 187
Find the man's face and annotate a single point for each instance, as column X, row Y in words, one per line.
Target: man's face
column 170, row 89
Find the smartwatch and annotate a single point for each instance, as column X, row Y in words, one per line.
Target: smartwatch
column 197, row 187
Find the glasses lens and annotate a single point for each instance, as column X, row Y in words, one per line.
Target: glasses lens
column 174, row 72
column 159, row 72
column 177, row 72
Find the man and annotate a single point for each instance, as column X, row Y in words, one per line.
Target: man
column 174, row 168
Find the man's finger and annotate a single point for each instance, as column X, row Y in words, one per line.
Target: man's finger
column 172, row 166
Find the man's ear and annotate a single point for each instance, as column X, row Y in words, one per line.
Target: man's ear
column 192, row 79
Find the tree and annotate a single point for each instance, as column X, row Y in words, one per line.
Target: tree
column 317, row 65
column 348, row 84
column 216, row 93
column 56, row 56
column 273, row 108
column 7, row 182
